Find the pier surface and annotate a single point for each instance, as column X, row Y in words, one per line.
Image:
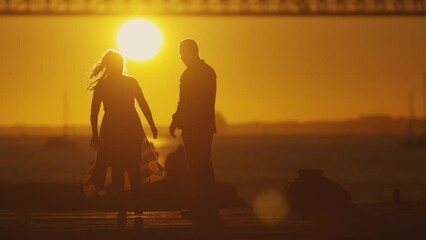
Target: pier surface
column 385, row 221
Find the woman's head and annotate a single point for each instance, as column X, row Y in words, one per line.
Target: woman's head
column 111, row 63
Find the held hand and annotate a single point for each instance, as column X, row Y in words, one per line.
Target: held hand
column 154, row 131
column 172, row 129
column 94, row 143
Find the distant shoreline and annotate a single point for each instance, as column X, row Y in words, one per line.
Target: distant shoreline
column 374, row 125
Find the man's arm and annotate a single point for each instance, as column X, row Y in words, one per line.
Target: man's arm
column 177, row 116
column 212, row 86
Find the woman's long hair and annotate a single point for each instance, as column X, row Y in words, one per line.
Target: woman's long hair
column 112, row 62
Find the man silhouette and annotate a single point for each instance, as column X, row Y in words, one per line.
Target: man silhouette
column 195, row 116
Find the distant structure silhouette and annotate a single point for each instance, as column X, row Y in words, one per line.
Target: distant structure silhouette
column 119, row 142
column 221, row 124
column 195, row 116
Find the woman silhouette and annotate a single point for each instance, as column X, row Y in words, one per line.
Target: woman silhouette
column 119, row 142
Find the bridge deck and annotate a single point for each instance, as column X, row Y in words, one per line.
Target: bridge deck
column 216, row 7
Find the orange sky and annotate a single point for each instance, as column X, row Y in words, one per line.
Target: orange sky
column 269, row 69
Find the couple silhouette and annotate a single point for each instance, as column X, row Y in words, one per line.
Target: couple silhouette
column 121, row 137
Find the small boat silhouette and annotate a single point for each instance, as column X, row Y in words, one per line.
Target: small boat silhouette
column 413, row 141
column 62, row 141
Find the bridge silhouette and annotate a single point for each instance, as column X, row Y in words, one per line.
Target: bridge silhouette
column 216, row 7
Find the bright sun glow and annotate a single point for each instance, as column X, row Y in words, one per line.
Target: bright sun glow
column 139, row 40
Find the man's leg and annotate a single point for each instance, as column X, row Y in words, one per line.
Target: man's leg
column 198, row 157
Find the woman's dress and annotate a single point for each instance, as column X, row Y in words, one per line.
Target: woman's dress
column 121, row 133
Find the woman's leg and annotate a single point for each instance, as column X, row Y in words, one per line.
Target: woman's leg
column 117, row 176
column 135, row 185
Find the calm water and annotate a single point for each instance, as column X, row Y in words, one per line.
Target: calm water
column 369, row 167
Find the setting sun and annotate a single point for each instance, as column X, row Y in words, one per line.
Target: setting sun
column 139, row 40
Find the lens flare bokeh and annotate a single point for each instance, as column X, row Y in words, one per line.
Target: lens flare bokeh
column 270, row 207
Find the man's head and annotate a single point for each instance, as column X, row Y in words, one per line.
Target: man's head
column 188, row 51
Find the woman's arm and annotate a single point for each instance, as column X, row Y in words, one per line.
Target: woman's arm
column 96, row 105
column 143, row 104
